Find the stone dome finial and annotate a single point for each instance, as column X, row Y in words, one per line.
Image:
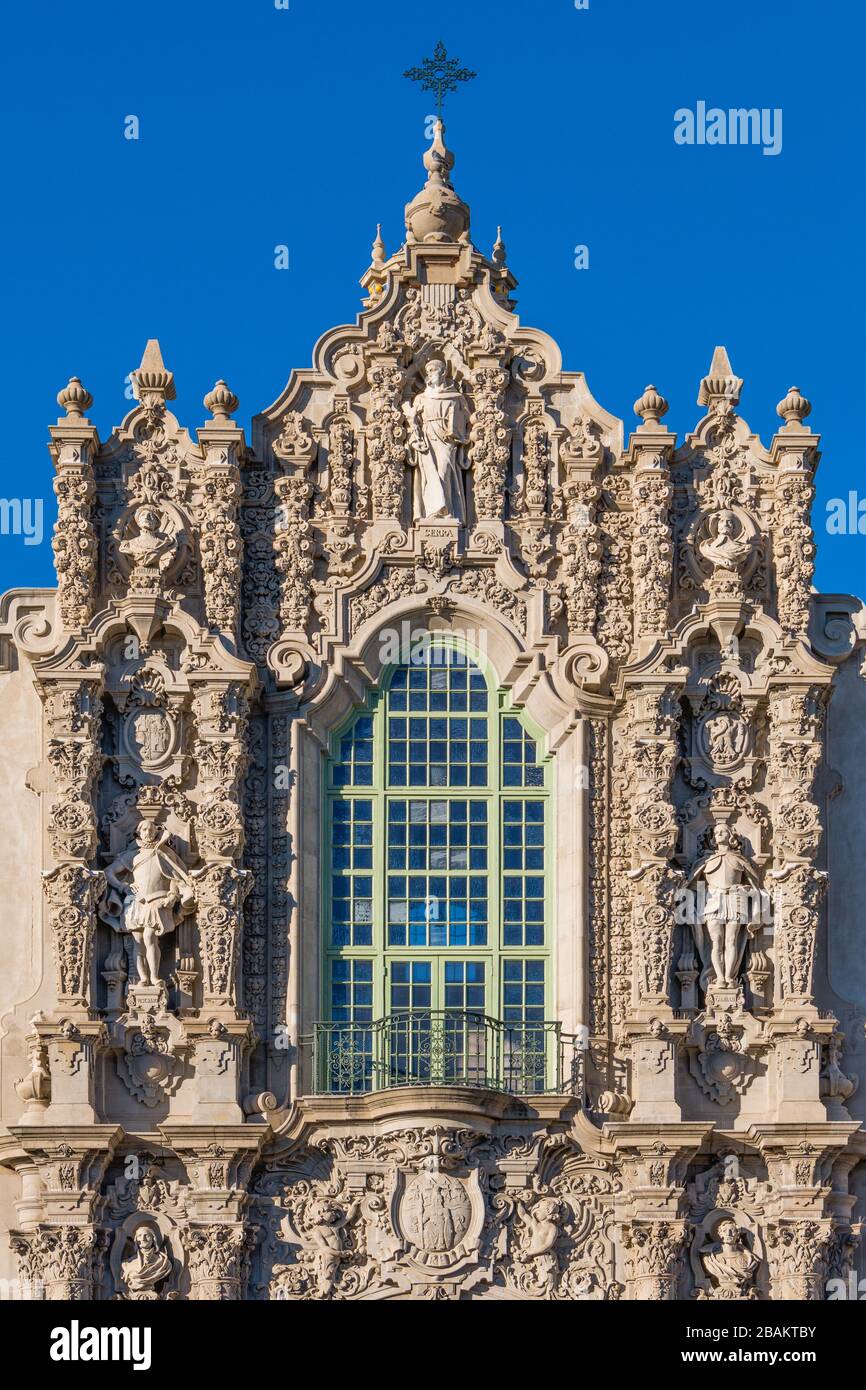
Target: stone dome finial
column 499, row 251
column 720, row 386
column 221, row 402
column 651, row 406
column 794, row 408
column 75, row 399
column 437, row 213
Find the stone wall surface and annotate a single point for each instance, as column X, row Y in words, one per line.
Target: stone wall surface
column 220, row 612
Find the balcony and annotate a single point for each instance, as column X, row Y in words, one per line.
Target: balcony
column 445, row 1048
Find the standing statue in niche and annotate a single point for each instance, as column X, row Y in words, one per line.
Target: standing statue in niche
column 439, row 419
column 149, row 893
column 728, row 910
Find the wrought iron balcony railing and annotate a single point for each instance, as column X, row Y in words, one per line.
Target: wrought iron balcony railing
column 445, row 1048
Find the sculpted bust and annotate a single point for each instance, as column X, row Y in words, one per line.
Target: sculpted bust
column 439, row 419
column 726, row 545
column 151, row 550
column 146, row 1267
column 730, row 1263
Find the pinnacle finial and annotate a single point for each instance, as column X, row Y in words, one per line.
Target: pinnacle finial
column 153, row 377
column 221, row 402
column 437, row 213
column 651, row 406
column 499, row 251
column 378, row 250
column 721, row 386
column 794, row 408
column 438, row 160
column 75, row 399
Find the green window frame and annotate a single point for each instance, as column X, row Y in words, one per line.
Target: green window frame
column 437, row 848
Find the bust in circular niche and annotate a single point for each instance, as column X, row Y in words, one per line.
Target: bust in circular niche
column 151, row 550
column 730, row 1263
column 148, row 1265
column 726, row 544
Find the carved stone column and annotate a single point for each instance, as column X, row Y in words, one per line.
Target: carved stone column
column 654, row 886
column 74, row 443
column 796, row 720
column 221, row 883
column 489, row 441
column 220, row 540
column 219, row 1256
column 219, row 1240
column 294, row 542
column 654, row 1160
column 61, row 1244
column 386, row 438
column 794, row 451
column 580, row 537
column 73, row 712
column 652, row 547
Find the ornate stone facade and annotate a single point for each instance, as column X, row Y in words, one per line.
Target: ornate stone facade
column 219, row 616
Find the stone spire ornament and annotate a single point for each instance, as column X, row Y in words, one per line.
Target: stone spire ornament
column 153, row 378
column 721, row 386
column 437, row 213
column 378, row 251
column 375, row 276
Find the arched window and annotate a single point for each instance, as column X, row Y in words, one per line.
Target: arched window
column 437, row 930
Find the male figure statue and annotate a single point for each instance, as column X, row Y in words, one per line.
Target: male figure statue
column 149, row 893
column 728, row 910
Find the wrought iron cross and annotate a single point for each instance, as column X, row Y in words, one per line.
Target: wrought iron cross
column 439, row 74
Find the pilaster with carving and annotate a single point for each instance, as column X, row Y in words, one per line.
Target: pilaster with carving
column 74, row 442
column 794, row 452
column 220, row 540
column 652, row 544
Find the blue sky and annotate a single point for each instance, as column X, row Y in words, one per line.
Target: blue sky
column 262, row 126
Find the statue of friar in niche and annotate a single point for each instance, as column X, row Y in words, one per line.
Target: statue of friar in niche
column 729, row 908
column 439, row 419
column 149, row 894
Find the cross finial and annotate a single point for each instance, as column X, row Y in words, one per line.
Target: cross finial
column 439, row 74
